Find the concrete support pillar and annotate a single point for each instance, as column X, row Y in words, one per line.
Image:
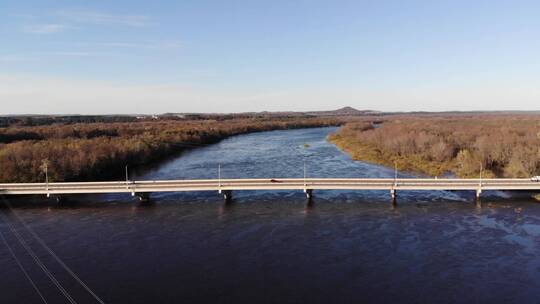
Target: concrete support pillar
column 144, row 197
column 309, row 193
column 60, row 200
column 478, row 192
column 393, row 195
column 227, row 195
column 478, row 203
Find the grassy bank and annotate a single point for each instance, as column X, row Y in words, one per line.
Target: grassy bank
column 502, row 145
column 97, row 151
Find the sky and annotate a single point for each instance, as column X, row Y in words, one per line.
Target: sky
column 130, row 56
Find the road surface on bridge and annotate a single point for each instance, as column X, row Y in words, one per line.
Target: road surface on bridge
column 307, row 185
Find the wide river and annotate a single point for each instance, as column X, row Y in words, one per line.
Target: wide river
column 272, row 247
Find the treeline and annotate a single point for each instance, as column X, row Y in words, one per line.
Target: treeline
column 46, row 120
column 97, row 151
column 503, row 145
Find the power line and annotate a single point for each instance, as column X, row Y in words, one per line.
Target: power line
column 53, row 254
column 39, row 262
column 22, row 268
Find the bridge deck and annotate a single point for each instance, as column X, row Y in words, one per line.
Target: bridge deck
column 269, row 184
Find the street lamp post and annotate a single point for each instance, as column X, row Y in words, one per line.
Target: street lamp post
column 395, row 173
column 305, row 173
column 46, row 168
column 127, row 177
column 481, row 170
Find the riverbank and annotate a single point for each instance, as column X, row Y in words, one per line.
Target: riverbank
column 359, row 151
column 497, row 145
column 97, row 151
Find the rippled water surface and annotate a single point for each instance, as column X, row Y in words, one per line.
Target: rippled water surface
column 272, row 247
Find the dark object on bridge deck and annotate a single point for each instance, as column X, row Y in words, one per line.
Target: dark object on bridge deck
column 275, row 181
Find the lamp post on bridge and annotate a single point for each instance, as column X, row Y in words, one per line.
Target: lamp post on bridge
column 45, row 168
column 481, row 170
column 305, row 173
column 127, row 177
column 227, row 194
column 479, row 190
column 393, row 189
column 47, row 175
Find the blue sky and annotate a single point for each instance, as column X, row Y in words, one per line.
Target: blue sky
column 95, row 57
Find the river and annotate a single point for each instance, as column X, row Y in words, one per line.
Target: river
column 272, row 247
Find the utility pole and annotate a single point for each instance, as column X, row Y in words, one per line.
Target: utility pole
column 305, row 173
column 479, row 190
column 47, row 175
column 219, row 174
column 481, row 169
column 395, row 173
column 45, row 168
column 127, row 176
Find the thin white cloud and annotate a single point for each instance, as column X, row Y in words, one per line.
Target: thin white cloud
column 79, row 54
column 43, row 55
column 24, row 16
column 17, row 58
column 158, row 45
column 45, row 28
column 100, row 18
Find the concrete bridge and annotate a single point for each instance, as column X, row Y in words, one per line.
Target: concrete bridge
column 142, row 189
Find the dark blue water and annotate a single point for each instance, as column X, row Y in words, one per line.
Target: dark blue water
column 272, row 247
column 281, row 154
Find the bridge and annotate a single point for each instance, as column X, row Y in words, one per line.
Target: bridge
column 142, row 189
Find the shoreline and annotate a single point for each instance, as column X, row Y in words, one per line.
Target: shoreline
column 370, row 155
column 137, row 145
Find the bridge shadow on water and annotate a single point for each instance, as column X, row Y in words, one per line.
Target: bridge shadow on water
column 404, row 198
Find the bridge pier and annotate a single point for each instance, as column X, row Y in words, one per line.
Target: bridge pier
column 478, row 203
column 144, row 197
column 478, row 193
column 60, row 200
column 227, row 195
column 393, row 195
column 309, row 193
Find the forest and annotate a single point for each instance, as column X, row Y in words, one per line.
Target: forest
column 497, row 145
column 98, row 151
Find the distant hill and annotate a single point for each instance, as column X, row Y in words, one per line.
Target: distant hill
column 37, row 120
column 345, row 111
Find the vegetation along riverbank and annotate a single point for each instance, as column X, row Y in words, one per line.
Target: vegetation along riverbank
column 461, row 145
column 100, row 150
